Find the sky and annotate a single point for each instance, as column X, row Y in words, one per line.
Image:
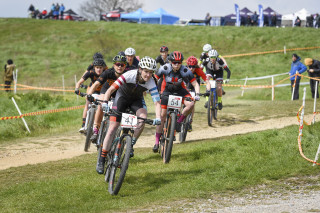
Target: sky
column 185, row 9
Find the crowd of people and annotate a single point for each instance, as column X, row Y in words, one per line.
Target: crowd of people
column 56, row 12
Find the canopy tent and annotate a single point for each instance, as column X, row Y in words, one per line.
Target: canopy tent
column 159, row 16
column 303, row 13
column 134, row 16
column 268, row 13
column 231, row 18
column 244, row 12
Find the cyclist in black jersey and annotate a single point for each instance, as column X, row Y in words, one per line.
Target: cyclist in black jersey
column 98, row 68
column 106, row 79
column 131, row 86
column 162, row 59
column 215, row 66
column 175, row 74
column 132, row 61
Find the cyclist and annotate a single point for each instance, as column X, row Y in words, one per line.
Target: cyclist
column 192, row 63
column 106, row 79
column 174, row 74
column 132, row 61
column 162, row 59
column 215, row 66
column 131, row 86
column 204, row 55
column 98, row 67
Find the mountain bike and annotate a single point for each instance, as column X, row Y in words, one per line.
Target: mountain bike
column 118, row 157
column 212, row 103
column 168, row 134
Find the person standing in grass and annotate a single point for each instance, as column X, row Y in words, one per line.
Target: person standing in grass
column 8, row 74
column 296, row 66
column 313, row 72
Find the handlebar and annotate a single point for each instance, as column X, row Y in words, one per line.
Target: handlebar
column 144, row 120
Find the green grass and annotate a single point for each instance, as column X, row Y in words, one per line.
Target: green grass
column 197, row 170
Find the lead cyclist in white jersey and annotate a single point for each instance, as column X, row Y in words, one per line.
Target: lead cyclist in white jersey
column 131, row 86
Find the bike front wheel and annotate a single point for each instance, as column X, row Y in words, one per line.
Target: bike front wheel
column 89, row 130
column 169, row 136
column 120, row 164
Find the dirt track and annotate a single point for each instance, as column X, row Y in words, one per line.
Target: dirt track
column 41, row 149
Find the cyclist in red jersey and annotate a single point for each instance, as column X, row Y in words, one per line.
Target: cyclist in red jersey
column 192, row 63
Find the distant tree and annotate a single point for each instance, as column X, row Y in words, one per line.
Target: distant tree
column 92, row 9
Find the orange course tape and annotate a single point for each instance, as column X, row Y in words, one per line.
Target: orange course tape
column 43, row 112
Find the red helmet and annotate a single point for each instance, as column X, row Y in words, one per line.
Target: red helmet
column 176, row 56
column 192, row 61
column 164, row 49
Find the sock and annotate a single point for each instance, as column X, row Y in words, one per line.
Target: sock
column 104, row 153
column 182, row 117
column 83, row 121
column 158, row 135
column 219, row 99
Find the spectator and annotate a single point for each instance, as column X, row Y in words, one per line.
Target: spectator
column 254, row 19
column 317, row 21
column 31, row 10
column 274, row 20
column 296, row 66
column 62, row 8
column 313, row 72
column 310, row 21
column 248, row 21
column 44, row 13
column 8, row 74
column 52, row 9
column 207, row 19
column 297, row 22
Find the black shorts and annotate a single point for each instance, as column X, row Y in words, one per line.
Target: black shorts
column 121, row 103
column 165, row 96
column 218, row 74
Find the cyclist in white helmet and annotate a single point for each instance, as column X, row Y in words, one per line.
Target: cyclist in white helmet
column 204, row 55
column 130, row 87
column 132, row 61
column 215, row 66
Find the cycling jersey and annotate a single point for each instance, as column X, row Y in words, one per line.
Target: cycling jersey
column 198, row 73
column 93, row 76
column 174, row 82
column 106, row 79
column 216, row 69
column 130, row 93
column 160, row 60
column 135, row 65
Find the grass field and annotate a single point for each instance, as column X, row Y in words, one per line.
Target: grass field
column 44, row 50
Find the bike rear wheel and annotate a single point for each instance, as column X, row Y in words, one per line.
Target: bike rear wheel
column 215, row 107
column 89, row 130
column 184, row 128
column 210, row 108
column 169, row 136
column 120, row 163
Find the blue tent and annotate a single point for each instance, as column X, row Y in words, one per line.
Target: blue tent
column 134, row 16
column 159, row 16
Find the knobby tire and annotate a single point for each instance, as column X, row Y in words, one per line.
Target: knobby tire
column 89, row 131
column 171, row 126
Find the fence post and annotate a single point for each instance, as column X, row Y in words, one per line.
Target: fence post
column 245, row 83
column 75, row 83
column 25, row 123
column 315, row 102
column 63, row 84
column 284, row 50
column 272, row 83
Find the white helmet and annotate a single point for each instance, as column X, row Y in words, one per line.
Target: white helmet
column 207, row 47
column 213, row 53
column 130, row 51
column 148, row 63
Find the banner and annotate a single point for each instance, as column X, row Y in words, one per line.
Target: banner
column 237, row 15
column 260, row 15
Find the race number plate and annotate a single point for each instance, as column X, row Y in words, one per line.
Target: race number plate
column 129, row 121
column 174, row 102
column 212, row 83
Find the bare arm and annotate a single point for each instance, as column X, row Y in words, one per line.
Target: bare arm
column 93, row 87
column 196, row 86
column 109, row 92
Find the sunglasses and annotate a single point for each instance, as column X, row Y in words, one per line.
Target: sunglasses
column 213, row 57
column 176, row 62
column 192, row 66
column 120, row 64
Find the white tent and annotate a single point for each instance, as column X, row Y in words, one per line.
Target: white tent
column 303, row 13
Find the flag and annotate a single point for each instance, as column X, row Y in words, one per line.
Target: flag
column 260, row 15
column 237, row 15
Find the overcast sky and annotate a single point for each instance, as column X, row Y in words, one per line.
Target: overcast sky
column 185, row 9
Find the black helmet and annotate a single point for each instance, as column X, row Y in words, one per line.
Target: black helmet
column 99, row 62
column 120, row 58
column 176, row 56
column 164, row 49
column 121, row 53
column 97, row 55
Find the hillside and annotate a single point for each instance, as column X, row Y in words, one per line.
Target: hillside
column 46, row 49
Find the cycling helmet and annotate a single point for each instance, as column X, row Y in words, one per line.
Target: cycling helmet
column 130, row 51
column 213, row 53
column 176, row 56
column 164, row 49
column 120, row 58
column 121, row 53
column 99, row 62
column 207, row 48
column 148, row 63
column 192, row 61
column 97, row 55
